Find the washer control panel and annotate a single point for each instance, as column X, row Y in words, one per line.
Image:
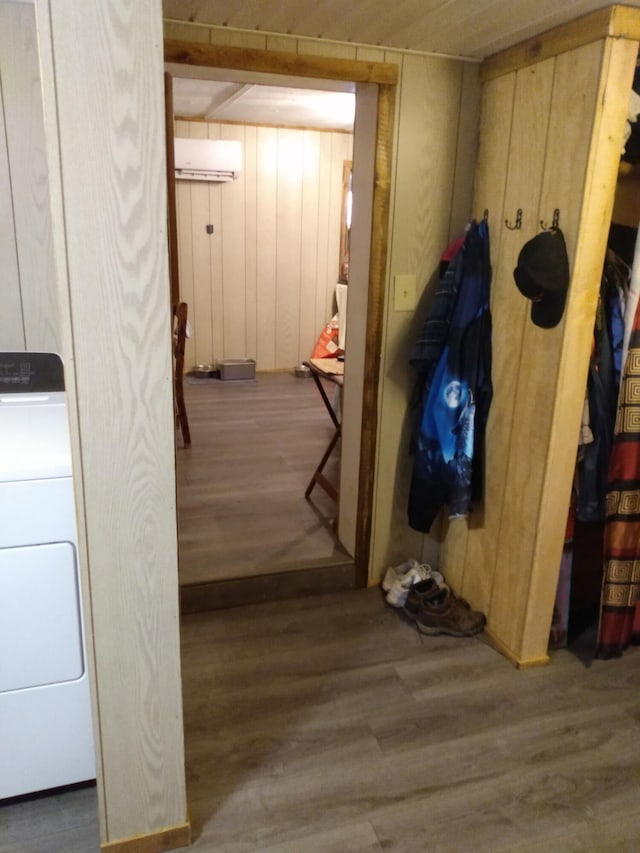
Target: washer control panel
column 30, row 372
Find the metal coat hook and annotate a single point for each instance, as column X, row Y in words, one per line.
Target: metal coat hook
column 485, row 215
column 518, row 222
column 555, row 224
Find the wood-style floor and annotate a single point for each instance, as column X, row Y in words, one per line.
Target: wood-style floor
column 241, row 505
column 329, row 725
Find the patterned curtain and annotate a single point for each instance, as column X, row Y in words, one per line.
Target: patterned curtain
column 620, row 608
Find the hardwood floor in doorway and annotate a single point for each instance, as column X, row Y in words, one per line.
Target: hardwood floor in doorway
column 241, row 506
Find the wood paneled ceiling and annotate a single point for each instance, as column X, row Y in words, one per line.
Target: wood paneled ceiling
column 226, row 101
column 457, row 28
column 470, row 28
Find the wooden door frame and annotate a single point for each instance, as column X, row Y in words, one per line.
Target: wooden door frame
column 172, row 213
column 385, row 76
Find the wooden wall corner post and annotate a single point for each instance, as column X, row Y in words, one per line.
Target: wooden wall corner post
column 592, row 66
column 378, row 253
column 618, row 66
column 109, row 213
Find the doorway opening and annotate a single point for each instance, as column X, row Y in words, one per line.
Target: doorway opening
column 259, row 262
column 370, row 154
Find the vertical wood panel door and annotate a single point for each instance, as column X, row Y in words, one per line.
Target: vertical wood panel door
column 496, row 118
column 490, row 182
column 587, row 182
column 504, row 557
column 561, row 185
column 526, row 97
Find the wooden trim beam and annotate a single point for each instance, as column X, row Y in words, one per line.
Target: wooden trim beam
column 172, row 838
column 279, row 62
column 375, row 313
column 226, row 100
column 613, row 21
column 282, row 126
column 172, row 213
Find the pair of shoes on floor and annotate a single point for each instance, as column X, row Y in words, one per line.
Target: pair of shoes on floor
column 436, row 610
column 399, row 579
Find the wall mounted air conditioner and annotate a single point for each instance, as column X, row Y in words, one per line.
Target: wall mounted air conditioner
column 208, row 159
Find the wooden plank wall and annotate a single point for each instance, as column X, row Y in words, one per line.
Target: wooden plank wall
column 108, row 190
column 434, row 151
column 436, row 138
column 28, row 310
column 538, row 134
column 262, row 285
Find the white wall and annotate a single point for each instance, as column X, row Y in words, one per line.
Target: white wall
column 104, row 108
column 262, row 285
column 28, row 310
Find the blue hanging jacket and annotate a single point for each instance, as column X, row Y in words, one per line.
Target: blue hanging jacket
column 449, row 439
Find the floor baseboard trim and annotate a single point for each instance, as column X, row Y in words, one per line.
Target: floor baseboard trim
column 516, row 660
column 279, row 586
column 171, row 838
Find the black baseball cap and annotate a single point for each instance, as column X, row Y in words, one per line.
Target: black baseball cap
column 542, row 275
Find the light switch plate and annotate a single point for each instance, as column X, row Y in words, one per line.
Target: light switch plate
column 404, row 292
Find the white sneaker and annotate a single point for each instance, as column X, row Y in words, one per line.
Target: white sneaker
column 399, row 589
column 394, row 573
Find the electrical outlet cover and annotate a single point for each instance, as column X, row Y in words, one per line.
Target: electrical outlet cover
column 404, row 297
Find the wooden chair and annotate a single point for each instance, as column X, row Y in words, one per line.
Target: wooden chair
column 179, row 339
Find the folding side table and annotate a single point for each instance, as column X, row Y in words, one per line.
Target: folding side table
column 332, row 370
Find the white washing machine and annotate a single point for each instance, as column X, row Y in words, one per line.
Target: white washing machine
column 46, row 737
